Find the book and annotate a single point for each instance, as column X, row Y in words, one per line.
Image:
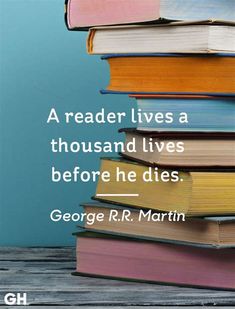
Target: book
column 128, row 259
column 216, row 232
column 180, row 149
column 172, row 73
column 192, row 193
column 82, row 14
column 205, row 113
column 164, row 38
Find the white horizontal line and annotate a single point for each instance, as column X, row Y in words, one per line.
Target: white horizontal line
column 123, row 195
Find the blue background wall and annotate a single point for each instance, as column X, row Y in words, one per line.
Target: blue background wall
column 43, row 66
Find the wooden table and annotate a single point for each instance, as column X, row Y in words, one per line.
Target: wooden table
column 45, row 274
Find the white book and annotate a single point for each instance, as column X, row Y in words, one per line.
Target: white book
column 171, row 38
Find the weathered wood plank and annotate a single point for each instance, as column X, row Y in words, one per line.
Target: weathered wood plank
column 35, row 267
column 65, row 289
column 67, row 282
column 116, row 307
column 37, row 254
column 140, row 298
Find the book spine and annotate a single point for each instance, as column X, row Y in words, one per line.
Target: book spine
column 90, row 39
column 66, row 4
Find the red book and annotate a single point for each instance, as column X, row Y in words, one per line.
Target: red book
column 112, row 257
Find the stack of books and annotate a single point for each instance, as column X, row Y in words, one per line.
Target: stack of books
column 176, row 59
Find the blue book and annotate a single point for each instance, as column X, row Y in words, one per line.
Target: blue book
column 205, row 114
column 199, row 9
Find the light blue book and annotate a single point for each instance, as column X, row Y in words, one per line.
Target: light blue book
column 208, row 114
column 198, row 9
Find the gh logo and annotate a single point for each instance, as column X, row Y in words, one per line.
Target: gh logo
column 12, row 299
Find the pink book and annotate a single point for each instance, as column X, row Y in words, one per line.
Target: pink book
column 89, row 13
column 122, row 258
column 86, row 13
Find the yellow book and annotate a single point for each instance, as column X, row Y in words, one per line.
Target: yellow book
column 193, row 193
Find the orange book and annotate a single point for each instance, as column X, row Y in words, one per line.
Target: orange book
column 177, row 74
